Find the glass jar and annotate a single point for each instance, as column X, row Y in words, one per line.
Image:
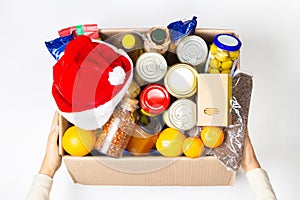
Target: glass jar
column 117, row 131
column 157, row 39
column 145, row 135
column 131, row 42
column 223, row 55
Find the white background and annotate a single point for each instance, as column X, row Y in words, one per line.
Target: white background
column 270, row 34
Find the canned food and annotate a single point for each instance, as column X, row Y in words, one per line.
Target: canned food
column 181, row 115
column 154, row 99
column 145, row 135
column 150, row 67
column 192, row 50
column 223, row 54
column 181, row 80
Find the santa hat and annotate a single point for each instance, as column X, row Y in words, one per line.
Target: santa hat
column 89, row 81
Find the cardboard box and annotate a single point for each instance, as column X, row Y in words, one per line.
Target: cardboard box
column 150, row 170
column 213, row 99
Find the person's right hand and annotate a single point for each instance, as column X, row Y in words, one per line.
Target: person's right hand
column 249, row 160
column 52, row 159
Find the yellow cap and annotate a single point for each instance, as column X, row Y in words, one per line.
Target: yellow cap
column 128, row 41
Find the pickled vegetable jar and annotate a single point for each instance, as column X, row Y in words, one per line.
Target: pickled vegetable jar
column 223, row 55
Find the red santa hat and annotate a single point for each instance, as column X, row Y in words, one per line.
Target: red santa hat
column 89, row 81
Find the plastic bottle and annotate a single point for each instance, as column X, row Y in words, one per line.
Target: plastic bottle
column 117, row 131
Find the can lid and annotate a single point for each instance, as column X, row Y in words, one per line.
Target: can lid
column 154, row 99
column 158, row 36
column 182, row 114
column 128, row 41
column 193, row 50
column 181, row 81
column 151, row 67
column 227, row 42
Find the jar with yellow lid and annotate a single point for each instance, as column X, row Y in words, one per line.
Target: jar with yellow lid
column 131, row 42
column 223, row 55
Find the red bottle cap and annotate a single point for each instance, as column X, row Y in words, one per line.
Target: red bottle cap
column 154, row 99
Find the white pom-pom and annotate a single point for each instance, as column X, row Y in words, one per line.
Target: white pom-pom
column 117, row 76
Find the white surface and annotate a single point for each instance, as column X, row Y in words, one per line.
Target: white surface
column 270, row 51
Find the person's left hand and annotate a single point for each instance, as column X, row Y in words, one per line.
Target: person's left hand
column 52, row 159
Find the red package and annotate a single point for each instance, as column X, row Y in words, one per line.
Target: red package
column 90, row 30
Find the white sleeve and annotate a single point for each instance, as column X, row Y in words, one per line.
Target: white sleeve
column 260, row 185
column 40, row 188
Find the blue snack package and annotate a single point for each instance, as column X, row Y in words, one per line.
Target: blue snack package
column 57, row 46
column 180, row 29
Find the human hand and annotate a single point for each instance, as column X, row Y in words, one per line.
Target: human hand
column 52, row 159
column 249, row 160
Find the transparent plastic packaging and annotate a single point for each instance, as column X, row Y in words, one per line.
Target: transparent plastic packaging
column 231, row 151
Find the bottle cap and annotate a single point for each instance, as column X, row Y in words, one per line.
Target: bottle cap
column 128, row 41
column 154, row 99
column 192, row 50
column 158, row 36
column 227, row 42
column 181, row 81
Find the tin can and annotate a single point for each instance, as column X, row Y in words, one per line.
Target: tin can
column 150, row 67
column 193, row 50
column 145, row 135
column 181, row 80
column 223, row 55
column 154, row 99
column 181, row 115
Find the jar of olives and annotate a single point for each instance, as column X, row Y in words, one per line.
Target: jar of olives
column 223, row 55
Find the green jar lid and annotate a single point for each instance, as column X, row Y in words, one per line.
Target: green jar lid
column 158, row 36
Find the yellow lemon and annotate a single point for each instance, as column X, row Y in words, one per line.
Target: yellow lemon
column 212, row 136
column 78, row 142
column 192, row 147
column 169, row 142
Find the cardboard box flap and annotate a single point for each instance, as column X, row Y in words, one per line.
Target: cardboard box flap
column 205, row 33
column 149, row 171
